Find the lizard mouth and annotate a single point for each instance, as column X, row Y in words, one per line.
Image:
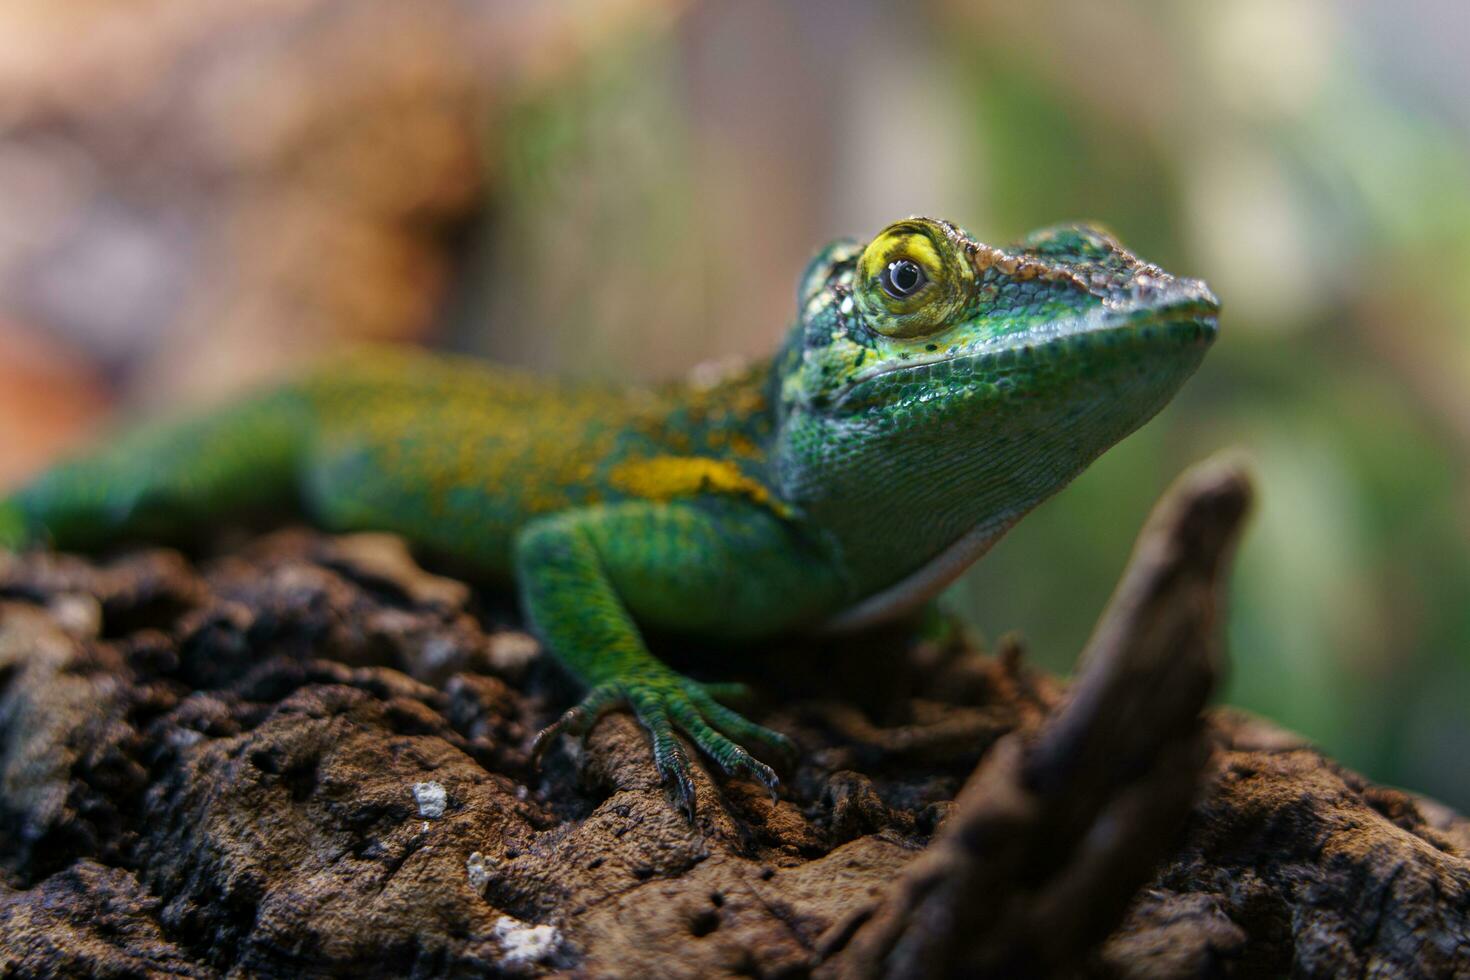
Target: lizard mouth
column 1184, row 315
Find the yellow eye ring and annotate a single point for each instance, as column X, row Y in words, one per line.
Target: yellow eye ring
column 911, row 279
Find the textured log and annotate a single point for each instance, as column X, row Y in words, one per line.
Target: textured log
column 1054, row 834
column 307, row 756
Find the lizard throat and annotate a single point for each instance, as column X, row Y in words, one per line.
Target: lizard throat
column 925, row 583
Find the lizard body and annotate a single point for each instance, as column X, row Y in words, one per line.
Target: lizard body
column 932, row 391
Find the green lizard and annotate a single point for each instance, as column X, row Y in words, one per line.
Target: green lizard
column 932, row 391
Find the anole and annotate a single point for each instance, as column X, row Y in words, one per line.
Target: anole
column 932, row 391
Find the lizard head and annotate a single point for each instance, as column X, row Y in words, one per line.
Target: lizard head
column 936, row 388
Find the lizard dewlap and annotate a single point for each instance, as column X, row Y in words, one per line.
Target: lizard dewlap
column 932, row 390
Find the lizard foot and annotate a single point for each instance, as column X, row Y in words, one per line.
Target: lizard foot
column 663, row 705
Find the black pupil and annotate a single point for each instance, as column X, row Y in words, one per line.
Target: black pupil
column 904, row 277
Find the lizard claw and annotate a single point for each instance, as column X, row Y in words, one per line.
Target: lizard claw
column 542, row 742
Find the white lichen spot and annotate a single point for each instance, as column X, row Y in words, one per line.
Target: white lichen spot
column 512, row 650
column 79, row 615
column 523, row 944
column 431, row 799
column 477, row 868
column 183, row 738
column 438, row 651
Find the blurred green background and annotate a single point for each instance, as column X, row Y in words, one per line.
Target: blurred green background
column 648, row 179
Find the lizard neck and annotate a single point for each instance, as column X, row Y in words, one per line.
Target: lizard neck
column 721, row 412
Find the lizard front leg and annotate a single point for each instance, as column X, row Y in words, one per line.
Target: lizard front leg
column 588, row 577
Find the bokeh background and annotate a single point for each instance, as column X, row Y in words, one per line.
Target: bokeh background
column 193, row 196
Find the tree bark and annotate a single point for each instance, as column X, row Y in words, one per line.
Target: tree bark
column 306, row 756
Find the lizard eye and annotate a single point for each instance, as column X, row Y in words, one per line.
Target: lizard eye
column 902, row 278
column 912, row 279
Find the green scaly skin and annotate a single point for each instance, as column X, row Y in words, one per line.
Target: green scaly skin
column 933, row 390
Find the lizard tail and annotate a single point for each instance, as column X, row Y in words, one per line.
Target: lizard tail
column 14, row 531
column 167, row 480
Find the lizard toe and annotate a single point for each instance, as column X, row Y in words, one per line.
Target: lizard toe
column 762, row 772
column 737, row 727
column 577, row 720
column 729, row 692
column 669, row 757
column 732, row 758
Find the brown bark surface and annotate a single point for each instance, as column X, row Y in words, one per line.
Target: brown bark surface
column 306, row 756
